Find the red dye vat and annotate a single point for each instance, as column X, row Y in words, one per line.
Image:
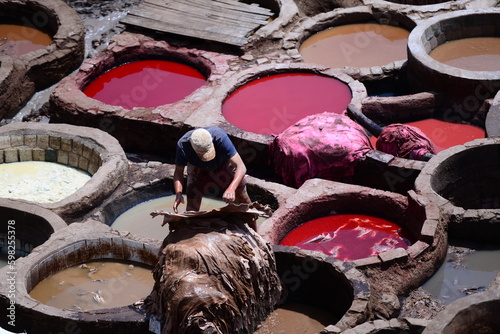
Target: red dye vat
column 348, row 237
column 271, row 104
column 447, row 134
column 145, row 83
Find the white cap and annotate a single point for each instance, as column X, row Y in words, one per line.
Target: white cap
column 201, row 141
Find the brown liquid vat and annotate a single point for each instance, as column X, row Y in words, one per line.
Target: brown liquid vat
column 254, row 147
column 474, row 314
column 88, row 149
column 394, row 272
column 303, row 29
column 469, row 87
column 463, row 182
column 48, row 65
column 315, row 279
column 154, row 130
column 73, row 245
column 15, row 86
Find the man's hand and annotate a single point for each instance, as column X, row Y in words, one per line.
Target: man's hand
column 178, row 200
column 229, row 196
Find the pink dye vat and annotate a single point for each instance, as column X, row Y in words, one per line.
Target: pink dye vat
column 145, row 83
column 271, row 104
column 447, row 134
column 348, row 237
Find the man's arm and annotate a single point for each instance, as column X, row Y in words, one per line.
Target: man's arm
column 178, row 181
column 241, row 170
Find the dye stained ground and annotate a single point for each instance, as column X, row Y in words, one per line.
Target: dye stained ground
column 101, row 22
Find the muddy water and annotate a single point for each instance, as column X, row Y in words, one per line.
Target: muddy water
column 18, row 39
column 271, row 104
column 474, row 54
column 40, row 181
column 138, row 221
column 295, row 319
column 348, row 237
column 356, row 45
column 145, row 83
column 95, row 285
column 468, row 269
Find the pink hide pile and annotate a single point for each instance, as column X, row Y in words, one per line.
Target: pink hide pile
column 404, row 141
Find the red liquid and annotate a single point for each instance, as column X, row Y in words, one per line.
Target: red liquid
column 348, row 237
column 447, row 134
column 145, row 83
column 271, row 104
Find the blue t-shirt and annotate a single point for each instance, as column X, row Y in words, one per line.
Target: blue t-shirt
column 224, row 150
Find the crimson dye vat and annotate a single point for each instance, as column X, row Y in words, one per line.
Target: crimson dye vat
column 348, row 237
column 473, row 54
column 145, row 83
column 16, row 39
column 356, row 45
column 270, row 104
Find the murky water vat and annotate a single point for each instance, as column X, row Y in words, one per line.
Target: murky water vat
column 463, row 181
column 320, row 198
column 155, row 128
column 15, row 86
column 26, row 226
column 314, row 279
column 473, row 314
column 63, row 45
column 90, row 150
column 471, row 87
column 76, row 245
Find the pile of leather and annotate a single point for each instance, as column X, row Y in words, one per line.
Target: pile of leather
column 214, row 273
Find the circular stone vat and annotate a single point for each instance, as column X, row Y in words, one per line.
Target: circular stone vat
column 471, row 86
column 73, row 246
column 87, row 149
column 319, row 198
column 155, row 128
column 315, row 279
column 61, row 48
column 25, row 227
column 364, row 42
column 15, row 86
column 474, row 314
column 269, row 104
column 463, row 182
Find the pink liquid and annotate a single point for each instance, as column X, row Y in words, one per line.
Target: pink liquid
column 271, row 104
column 348, row 237
column 145, row 83
column 447, row 134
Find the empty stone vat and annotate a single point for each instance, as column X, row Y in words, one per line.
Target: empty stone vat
column 463, row 182
column 48, row 65
column 314, row 279
column 84, row 148
column 155, row 129
column 74, row 245
column 395, row 271
column 15, row 86
column 25, row 227
column 471, row 87
column 474, row 314
column 492, row 122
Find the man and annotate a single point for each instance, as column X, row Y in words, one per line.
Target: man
column 212, row 161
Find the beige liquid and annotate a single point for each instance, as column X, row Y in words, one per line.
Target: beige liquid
column 18, row 39
column 40, row 181
column 356, row 45
column 138, row 221
column 473, row 54
column 296, row 319
column 95, row 285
